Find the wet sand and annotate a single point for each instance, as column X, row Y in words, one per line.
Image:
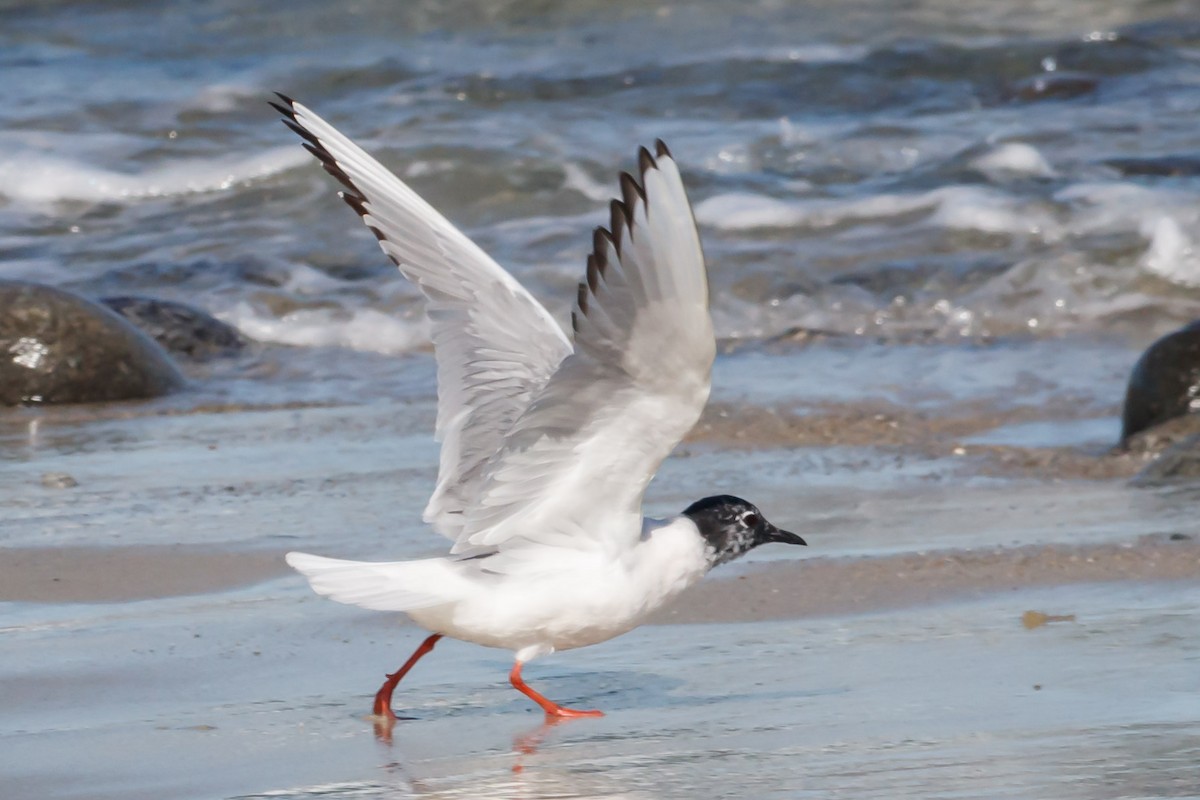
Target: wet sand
column 942, row 433
column 824, row 587
column 263, row 693
column 122, row 574
column 792, row 589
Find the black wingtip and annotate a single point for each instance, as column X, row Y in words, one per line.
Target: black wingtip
column 601, row 239
column 645, row 161
column 600, row 236
column 288, row 107
column 357, row 202
column 581, row 297
column 351, row 194
column 620, row 225
column 592, row 273
column 618, row 221
column 631, row 192
column 294, row 125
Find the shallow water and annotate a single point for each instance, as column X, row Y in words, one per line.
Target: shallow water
column 982, row 211
column 355, row 478
column 1020, row 170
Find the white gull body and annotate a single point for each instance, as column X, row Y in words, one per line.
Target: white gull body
column 581, row 599
column 548, row 444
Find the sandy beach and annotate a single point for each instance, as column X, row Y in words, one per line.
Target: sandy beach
column 261, row 692
column 794, row 589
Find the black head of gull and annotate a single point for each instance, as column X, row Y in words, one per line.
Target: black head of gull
column 732, row 526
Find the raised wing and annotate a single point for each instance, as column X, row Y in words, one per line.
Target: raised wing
column 495, row 345
column 576, row 464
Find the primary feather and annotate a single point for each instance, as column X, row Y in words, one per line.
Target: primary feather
column 495, row 344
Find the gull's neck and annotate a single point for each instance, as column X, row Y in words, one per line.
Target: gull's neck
column 672, row 555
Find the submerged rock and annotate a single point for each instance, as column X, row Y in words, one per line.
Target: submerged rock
column 1164, row 383
column 58, row 480
column 182, row 329
column 1172, row 450
column 1179, row 463
column 57, row 347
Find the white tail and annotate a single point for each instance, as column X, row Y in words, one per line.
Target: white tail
column 382, row 586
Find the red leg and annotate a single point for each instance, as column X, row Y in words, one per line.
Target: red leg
column 383, row 698
column 551, row 708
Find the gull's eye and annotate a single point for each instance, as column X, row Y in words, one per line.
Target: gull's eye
column 751, row 520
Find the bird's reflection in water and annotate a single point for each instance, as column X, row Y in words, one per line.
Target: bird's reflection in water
column 524, row 779
column 524, row 744
column 527, row 744
column 384, row 726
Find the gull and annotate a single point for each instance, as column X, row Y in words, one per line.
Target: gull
column 548, row 442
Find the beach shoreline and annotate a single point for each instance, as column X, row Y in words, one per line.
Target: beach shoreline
column 792, row 589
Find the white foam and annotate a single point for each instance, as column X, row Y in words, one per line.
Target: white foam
column 809, row 53
column 305, row 280
column 1013, row 159
column 737, row 211
column 1167, row 218
column 1172, row 254
column 574, row 177
column 956, row 207
column 419, row 168
column 1101, row 207
column 36, row 178
column 221, row 98
column 972, row 208
column 815, row 53
column 365, row 329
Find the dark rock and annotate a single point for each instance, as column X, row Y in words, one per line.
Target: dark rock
column 180, row 328
column 798, row 334
column 1053, row 86
column 1164, row 383
column 1177, row 166
column 57, row 347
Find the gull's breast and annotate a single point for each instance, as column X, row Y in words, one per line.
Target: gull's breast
column 587, row 598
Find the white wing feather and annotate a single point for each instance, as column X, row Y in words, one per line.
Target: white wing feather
column 496, row 346
column 574, row 468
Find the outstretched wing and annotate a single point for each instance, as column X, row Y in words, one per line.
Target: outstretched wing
column 574, row 468
column 495, row 345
